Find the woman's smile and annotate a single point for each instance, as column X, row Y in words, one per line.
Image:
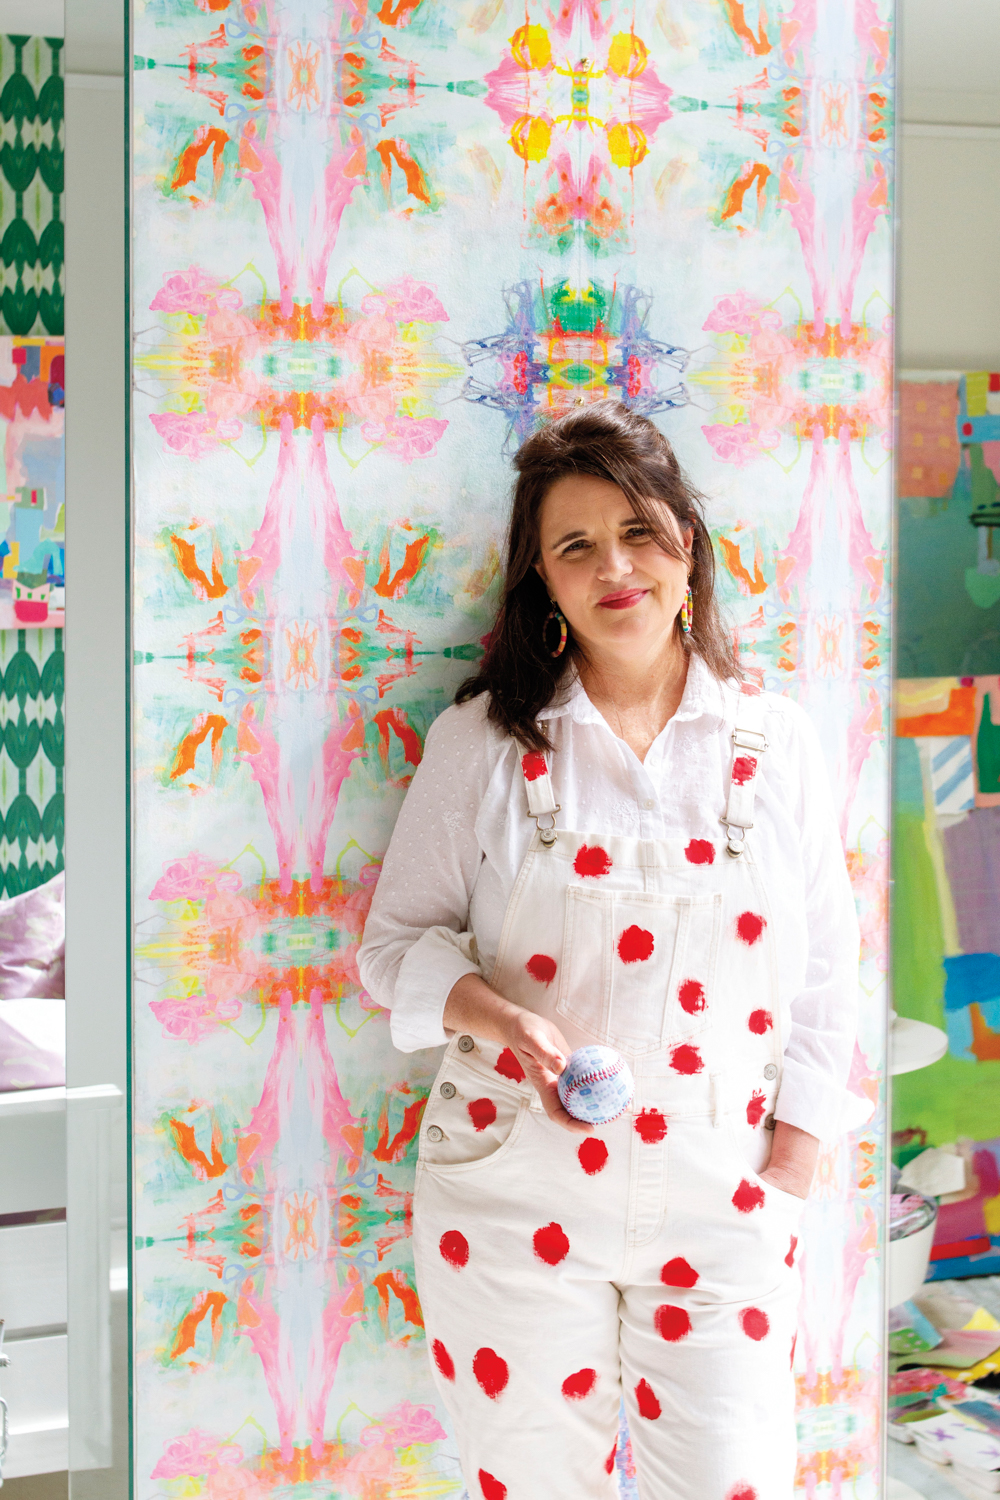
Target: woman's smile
column 624, row 599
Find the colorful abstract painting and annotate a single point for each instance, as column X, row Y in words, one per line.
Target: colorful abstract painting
column 32, row 587
column 32, row 482
column 946, row 791
column 947, row 783
column 949, row 512
column 946, row 945
column 372, row 249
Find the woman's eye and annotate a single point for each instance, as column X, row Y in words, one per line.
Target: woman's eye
column 573, row 547
column 637, row 533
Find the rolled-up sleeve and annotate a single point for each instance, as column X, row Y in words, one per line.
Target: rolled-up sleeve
column 416, row 941
column 824, row 1020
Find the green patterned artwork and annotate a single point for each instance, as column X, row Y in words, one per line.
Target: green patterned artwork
column 31, row 185
column 32, row 817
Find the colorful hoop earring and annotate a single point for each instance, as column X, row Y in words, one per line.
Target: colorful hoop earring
column 557, row 615
column 687, row 612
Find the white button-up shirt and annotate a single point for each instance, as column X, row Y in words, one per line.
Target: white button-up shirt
column 463, row 833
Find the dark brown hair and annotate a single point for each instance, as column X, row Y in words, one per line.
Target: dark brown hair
column 623, row 447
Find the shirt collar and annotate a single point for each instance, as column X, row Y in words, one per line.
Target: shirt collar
column 702, row 699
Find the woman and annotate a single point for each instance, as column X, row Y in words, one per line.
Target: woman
column 613, row 838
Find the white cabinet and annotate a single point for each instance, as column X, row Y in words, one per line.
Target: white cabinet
column 34, row 1388
column 33, row 1279
column 34, row 1290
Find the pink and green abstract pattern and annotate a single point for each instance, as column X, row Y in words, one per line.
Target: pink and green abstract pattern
column 374, row 245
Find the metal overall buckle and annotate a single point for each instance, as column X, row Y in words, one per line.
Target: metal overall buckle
column 735, row 837
column 548, row 835
column 749, row 739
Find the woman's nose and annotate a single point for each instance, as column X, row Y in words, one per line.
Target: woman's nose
column 613, row 561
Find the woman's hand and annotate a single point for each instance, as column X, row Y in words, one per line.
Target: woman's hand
column 793, row 1160
column 541, row 1049
column 538, row 1045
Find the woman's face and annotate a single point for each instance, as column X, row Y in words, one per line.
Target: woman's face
column 613, row 582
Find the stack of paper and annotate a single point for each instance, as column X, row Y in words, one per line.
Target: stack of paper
column 969, row 1336
column 917, row 1394
column 911, row 1331
column 951, row 1439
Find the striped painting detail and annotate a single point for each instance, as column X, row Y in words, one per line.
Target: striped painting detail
column 947, row 761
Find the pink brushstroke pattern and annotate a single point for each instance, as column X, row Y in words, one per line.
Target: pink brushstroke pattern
column 296, row 1137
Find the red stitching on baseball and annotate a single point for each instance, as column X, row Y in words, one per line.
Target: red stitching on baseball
column 592, row 1078
column 600, row 1076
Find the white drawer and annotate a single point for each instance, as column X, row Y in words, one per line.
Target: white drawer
column 33, row 1276
column 32, row 1150
column 34, row 1387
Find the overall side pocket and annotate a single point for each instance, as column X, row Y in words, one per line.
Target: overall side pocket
column 470, row 1121
column 773, row 1196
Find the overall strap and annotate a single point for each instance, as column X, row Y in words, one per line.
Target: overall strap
column 540, row 793
column 749, row 745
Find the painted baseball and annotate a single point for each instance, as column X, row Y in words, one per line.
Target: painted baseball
column 596, row 1085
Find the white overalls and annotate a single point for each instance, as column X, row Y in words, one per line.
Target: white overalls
column 559, row 1272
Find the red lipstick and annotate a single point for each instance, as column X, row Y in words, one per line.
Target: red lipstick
column 622, row 600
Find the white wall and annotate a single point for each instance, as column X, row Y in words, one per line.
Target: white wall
column 948, row 184
column 96, row 727
column 948, row 276
column 949, row 50
column 96, row 934
column 31, row 17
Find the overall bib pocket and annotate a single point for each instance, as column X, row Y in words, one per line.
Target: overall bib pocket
column 638, row 968
column 470, row 1121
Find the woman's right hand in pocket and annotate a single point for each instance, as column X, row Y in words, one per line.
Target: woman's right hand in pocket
column 541, row 1049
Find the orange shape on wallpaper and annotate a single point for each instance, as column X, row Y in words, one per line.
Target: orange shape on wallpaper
column 396, row 1284
column 205, row 139
column 187, row 1145
column 958, row 718
column 399, row 152
column 754, row 172
column 204, row 725
column 204, row 587
column 756, row 44
column 208, row 1304
column 395, row 587
column 734, row 562
column 395, row 1149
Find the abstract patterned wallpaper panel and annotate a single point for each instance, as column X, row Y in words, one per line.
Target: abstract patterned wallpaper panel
column 31, row 758
column 31, row 185
column 372, row 249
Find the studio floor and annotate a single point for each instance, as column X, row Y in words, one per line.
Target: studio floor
column 906, row 1466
